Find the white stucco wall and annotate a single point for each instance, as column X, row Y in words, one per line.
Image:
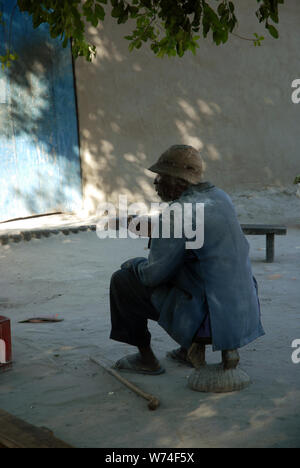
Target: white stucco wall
column 232, row 102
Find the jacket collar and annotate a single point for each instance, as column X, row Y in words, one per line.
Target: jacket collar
column 203, row 186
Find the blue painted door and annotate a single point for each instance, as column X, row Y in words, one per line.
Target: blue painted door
column 39, row 152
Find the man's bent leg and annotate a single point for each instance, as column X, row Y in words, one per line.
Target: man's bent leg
column 131, row 308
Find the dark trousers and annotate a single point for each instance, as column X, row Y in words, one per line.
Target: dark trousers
column 130, row 308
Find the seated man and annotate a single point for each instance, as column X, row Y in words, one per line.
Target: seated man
column 206, row 292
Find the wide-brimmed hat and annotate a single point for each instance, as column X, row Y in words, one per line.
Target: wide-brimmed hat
column 180, row 161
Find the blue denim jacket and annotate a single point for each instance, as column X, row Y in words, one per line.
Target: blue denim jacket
column 220, row 272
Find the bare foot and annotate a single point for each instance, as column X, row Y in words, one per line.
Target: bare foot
column 180, row 355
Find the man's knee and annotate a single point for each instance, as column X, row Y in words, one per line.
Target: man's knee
column 119, row 278
column 115, row 277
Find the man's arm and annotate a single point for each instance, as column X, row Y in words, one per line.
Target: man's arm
column 165, row 258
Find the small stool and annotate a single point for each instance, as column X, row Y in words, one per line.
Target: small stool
column 215, row 378
column 5, row 344
column 230, row 357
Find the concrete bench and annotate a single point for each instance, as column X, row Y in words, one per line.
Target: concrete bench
column 269, row 231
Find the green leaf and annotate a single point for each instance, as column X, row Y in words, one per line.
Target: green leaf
column 221, row 9
column 99, row 12
column 297, row 180
column 116, row 12
column 65, row 42
column 94, row 21
column 273, row 31
column 154, row 47
column 131, row 46
column 206, row 28
column 133, row 11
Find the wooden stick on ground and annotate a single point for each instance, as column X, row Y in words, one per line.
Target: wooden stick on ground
column 153, row 402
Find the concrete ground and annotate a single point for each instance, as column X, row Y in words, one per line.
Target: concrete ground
column 54, row 384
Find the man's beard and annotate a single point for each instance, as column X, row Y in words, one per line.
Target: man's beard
column 169, row 191
column 164, row 193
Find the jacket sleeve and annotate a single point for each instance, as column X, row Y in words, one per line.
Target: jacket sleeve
column 165, row 259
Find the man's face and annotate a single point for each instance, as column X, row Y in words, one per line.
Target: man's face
column 168, row 188
column 161, row 186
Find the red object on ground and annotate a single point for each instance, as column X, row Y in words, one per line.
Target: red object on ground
column 5, row 343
